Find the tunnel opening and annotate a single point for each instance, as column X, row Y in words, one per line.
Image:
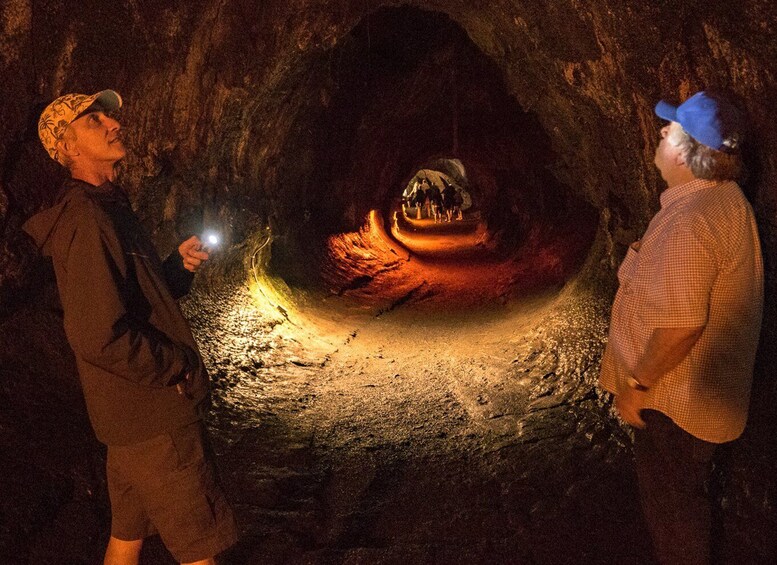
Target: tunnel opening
column 436, row 195
column 406, row 90
column 435, row 216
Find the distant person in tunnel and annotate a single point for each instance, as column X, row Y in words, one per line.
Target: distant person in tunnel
column 420, row 200
column 143, row 379
column 448, row 199
column 407, row 201
column 458, row 202
column 685, row 324
column 428, row 202
column 435, row 198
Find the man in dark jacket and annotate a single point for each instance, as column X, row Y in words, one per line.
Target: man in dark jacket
column 448, row 199
column 142, row 375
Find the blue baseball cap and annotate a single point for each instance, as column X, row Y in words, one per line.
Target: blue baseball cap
column 708, row 119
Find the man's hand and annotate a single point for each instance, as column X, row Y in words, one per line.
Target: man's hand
column 666, row 348
column 192, row 253
column 629, row 402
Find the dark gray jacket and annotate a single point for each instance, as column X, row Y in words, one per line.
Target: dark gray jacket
column 131, row 342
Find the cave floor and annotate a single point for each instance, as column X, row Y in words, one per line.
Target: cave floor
column 445, row 412
column 420, row 434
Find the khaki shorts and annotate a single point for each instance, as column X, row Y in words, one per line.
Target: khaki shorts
column 168, row 485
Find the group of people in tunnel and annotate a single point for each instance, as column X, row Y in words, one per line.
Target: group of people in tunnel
column 431, row 202
column 679, row 358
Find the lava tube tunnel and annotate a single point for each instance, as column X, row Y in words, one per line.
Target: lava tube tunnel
column 415, row 213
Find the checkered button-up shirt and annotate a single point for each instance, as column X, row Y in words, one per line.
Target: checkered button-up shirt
column 698, row 264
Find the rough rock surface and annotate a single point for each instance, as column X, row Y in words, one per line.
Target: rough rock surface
column 411, row 441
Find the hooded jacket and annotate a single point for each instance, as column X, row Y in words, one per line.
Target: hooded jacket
column 131, row 342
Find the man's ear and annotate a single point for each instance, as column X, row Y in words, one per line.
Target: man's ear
column 679, row 159
column 66, row 147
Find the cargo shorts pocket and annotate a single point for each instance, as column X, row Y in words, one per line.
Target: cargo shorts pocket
column 184, row 508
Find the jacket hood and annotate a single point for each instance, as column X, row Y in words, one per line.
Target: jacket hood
column 41, row 226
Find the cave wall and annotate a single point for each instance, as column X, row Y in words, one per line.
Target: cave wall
column 218, row 93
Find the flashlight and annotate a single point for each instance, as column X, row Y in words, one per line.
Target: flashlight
column 210, row 240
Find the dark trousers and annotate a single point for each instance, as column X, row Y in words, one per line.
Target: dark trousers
column 672, row 468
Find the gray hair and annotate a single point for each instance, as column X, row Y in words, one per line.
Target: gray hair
column 68, row 135
column 706, row 162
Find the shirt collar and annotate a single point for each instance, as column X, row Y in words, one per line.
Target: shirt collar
column 672, row 195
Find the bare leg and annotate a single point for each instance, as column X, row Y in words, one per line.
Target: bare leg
column 120, row 552
column 208, row 561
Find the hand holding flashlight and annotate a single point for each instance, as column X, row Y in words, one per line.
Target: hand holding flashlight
column 193, row 253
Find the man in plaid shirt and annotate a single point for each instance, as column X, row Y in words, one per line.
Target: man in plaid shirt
column 685, row 323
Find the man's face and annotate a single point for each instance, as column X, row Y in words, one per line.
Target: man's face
column 668, row 154
column 97, row 138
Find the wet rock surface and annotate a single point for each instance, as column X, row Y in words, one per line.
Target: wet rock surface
column 416, row 443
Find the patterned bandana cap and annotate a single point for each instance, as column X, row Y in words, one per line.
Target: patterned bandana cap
column 64, row 110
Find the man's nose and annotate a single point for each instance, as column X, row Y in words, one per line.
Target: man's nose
column 111, row 123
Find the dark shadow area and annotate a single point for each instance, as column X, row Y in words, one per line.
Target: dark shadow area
column 54, row 503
